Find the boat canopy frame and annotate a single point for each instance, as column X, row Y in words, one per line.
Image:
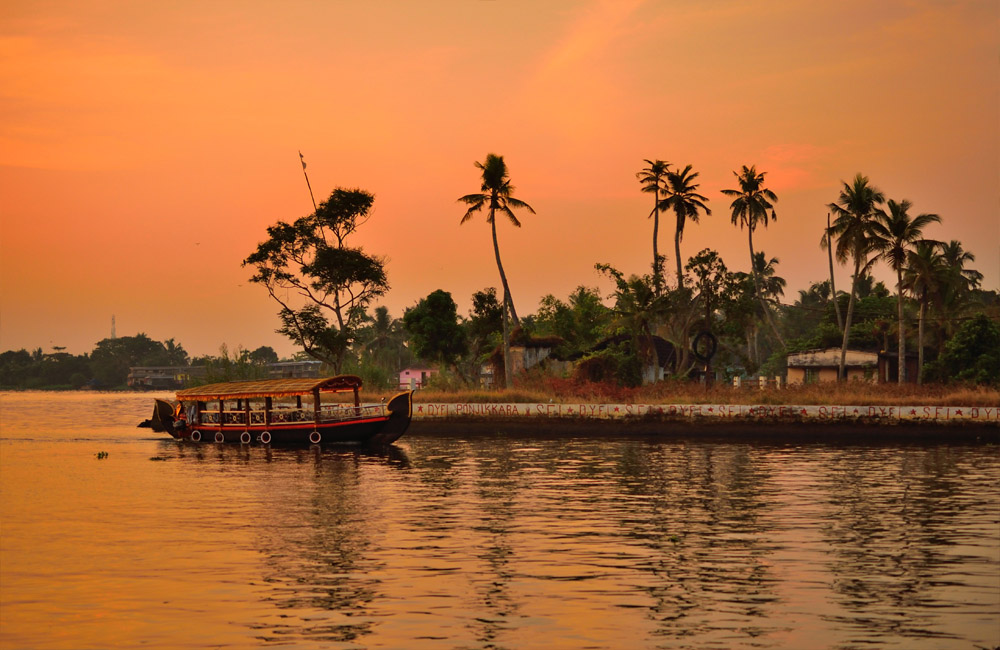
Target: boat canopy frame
column 264, row 388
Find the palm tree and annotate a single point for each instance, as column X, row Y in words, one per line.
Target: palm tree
column 771, row 285
column 685, row 202
column 653, row 179
column 955, row 257
column 895, row 233
column 496, row 195
column 750, row 207
column 855, row 210
column 957, row 288
column 924, row 275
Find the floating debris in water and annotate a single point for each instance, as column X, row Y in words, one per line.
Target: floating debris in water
column 157, row 458
column 101, row 455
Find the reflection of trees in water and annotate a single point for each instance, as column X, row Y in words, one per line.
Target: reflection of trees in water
column 698, row 508
column 497, row 485
column 893, row 515
column 468, row 504
column 315, row 538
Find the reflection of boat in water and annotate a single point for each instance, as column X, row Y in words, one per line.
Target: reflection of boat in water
column 273, row 412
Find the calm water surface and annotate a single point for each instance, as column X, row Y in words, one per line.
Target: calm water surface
column 485, row 541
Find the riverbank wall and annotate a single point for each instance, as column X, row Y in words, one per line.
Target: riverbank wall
column 981, row 424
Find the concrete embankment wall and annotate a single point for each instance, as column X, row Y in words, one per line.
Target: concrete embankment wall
column 946, row 422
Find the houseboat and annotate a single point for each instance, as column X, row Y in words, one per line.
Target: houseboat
column 282, row 412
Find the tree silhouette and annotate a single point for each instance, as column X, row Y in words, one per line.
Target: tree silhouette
column 894, row 235
column 685, row 202
column 855, row 211
column 497, row 196
column 750, row 206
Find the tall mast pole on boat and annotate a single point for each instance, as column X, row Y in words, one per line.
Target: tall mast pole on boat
column 303, row 160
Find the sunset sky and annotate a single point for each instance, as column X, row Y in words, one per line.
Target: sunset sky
column 145, row 147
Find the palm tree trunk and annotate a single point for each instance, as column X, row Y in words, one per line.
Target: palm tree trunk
column 656, row 231
column 760, row 298
column 508, row 303
column 920, row 342
column 902, row 335
column 677, row 253
column 503, row 276
column 833, row 287
column 841, row 375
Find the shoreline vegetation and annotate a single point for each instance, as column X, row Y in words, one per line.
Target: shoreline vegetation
column 679, row 392
column 684, row 393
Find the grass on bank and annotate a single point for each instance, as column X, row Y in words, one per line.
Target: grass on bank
column 677, row 392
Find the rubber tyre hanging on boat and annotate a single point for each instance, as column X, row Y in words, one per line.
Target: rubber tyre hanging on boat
column 315, row 437
column 196, row 436
column 265, row 437
column 220, row 437
column 245, row 438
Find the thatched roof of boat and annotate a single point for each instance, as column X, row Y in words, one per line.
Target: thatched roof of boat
column 268, row 388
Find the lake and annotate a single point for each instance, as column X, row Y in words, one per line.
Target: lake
column 485, row 541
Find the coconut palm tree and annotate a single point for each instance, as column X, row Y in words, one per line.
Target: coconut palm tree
column 925, row 275
column 956, row 292
column 855, row 210
column 653, row 178
column 895, row 234
column 496, row 195
column 750, row 206
column 685, row 202
column 955, row 258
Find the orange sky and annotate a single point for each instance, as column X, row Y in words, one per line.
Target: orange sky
column 145, row 147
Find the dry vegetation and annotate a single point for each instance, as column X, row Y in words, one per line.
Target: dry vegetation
column 852, row 393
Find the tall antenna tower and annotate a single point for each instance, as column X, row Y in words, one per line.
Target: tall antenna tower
column 112, row 327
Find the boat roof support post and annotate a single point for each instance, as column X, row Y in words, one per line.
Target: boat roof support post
column 267, row 412
column 316, row 406
column 222, row 406
column 357, row 398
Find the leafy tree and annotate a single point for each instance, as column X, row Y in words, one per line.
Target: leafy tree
column 485, row 322
column 172, row 354
column 711, row 276
column 111, row 359
column 379, row 349
column 639, row 307
column 241, row 365
column 435, row 331
column 263, row 355
column 653, row 178
column 310, row 263
column 685, row 202
column 497, row 196
column 14, row 368
column 581, row 322
column 855, row 210
column 750, row 206
column 894, row 235
column 972, row 355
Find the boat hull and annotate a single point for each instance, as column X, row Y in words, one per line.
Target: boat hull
column 374, row 431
